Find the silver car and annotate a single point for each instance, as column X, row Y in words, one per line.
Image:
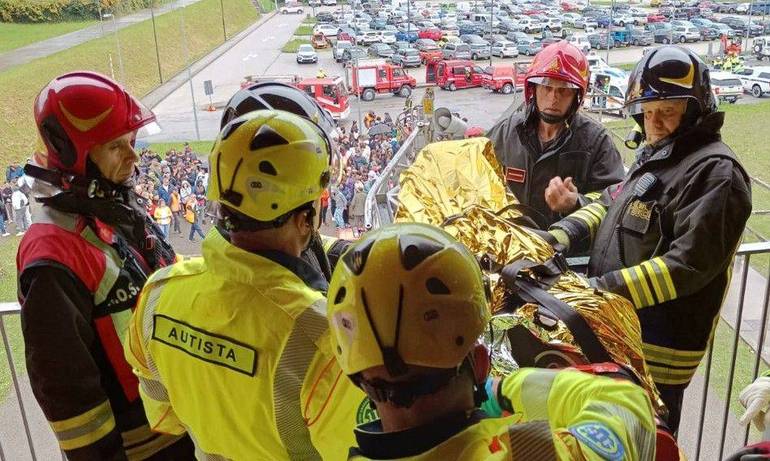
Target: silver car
column 457, row 51
column 505, row 49
column 306, row 53
column 407, row 57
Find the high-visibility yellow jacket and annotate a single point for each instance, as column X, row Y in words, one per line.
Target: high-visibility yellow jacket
column 233, row 347
column 564, row 415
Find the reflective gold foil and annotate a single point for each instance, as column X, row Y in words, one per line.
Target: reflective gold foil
column 459, row 186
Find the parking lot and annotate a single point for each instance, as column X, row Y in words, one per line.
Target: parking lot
column 259, row 54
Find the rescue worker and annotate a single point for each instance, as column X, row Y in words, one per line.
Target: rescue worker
column 232, row 346
column 666, row 236
column 407, row 304
column 320, row 74
column 323, row 251
column 81, row 266
column 555, row 159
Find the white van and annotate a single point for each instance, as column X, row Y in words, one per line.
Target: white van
column 756, row 80
column 615, row 89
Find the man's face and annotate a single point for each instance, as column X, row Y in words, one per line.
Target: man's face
column 115, row 159
column 661, row 118
column 554, row 100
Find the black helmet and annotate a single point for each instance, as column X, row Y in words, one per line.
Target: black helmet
column 671, row 72
column 277, row 96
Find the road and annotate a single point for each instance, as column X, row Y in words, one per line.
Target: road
column 259, row 54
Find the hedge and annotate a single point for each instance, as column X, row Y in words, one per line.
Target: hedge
column 66, row 10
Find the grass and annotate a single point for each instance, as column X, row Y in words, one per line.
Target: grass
column 140, row 70
column 8, row 246
column 201, row 147
column 267, row 5
column 293, row 45
column 310, row 20
column 14, row 35
column 304, row 29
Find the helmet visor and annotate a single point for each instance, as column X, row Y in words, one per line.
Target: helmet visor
column 552, row 82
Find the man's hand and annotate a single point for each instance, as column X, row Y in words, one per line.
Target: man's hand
column 561, row 196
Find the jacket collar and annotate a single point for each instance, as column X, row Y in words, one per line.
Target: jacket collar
column 250, row 267
column 690, row 140
column 376, row 444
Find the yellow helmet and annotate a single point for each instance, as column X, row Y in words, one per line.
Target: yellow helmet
column 406, row 294
column 267, row 163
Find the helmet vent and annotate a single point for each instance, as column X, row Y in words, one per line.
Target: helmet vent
column 267, row 137
column 436, row 287
column 340, row 296
column 355, row 259
column 415, row 250
column 267, row 168
column 230, row 129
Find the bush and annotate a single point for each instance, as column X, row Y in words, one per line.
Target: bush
column 66, row 10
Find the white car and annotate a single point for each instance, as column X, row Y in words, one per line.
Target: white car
column 505, row 49
column 306, row 53
column 291, row 8
column 387, row 36
column 368, row 37
column 329, row 2
column 329, row 30
column 727, row 86
column 756, row 80
column 581, row 42
column 570, row 18
column 314, row 3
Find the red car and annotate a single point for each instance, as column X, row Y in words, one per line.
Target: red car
column 432, row 33
column 530, row 11
column 456, row 74
column 567, row 6
column 655, row 17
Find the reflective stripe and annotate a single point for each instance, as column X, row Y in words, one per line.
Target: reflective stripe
column 148, row 321
column 86, row 428
column 630, row 284
column 532, row 441
column 593, row 195
column 154, row 389
column 674, row 357
column 673, row 376
column 666, row 276
column 644, row 283
column 111, row 269
column 642, row 438
column 650, row 274
column 121, row 320
column 289, row 375
column 535, row 390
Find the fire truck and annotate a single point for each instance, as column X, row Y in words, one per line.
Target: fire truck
column 330, row 92
column 372, row 78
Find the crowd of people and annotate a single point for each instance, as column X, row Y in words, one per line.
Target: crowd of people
column 362, row 157
column 173, row 187
column 370, row 349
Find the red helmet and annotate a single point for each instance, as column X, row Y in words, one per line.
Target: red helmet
column 80, row 110
column 560, row 61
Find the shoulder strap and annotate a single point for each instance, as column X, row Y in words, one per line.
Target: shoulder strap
column 533, row 289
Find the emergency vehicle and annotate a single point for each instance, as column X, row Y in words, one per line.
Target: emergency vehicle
column 504, row 78
column 454, row 74
column 370, row 79
column 330, row 92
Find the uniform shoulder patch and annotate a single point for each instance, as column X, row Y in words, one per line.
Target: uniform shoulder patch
column 601, row 439
column 201, row 344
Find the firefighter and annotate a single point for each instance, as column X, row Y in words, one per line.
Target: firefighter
column 81, row 266
column 666, row 236
column 323, row 251
column 555, row 158
column 407, row 304
column 320, row 74
column 232, row 347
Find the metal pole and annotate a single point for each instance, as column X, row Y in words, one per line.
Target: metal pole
column 491, row 31
column 155, row 34
column 120, row 53
column 609, row 30
column 707, row 376
column 15, row 378
column 748, row 27
column 358, row 95
column 189, row 73
column 101, row 22
column 224, row 27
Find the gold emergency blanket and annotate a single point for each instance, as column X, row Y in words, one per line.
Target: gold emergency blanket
column 458, row 185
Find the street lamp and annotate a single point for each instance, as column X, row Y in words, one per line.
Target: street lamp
column 609, row 29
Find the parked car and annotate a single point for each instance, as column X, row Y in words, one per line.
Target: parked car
column 433, row 33
column 530, row 26
column 723, row 29
column 314, row 3
column 457, row 51
column 580, row 42
column 727, row 7
column 353, row 53
column 407, row 57
column 586, row 23
column 740, row 25
column 755, row 80
column 479, row 48
column 505, row 49
column 569, row 19
column 378, row 24
column 324, row 17
column 517, row 37
column 684, row 34
column 727, row 86
column 639, row 37
column 306, row 54
column 380, row 50
column 329, row 30
column 339, row 48
column 655, row 17
column 600, row 41
column 291, row 8
column 530, row 48
column 552, row 24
